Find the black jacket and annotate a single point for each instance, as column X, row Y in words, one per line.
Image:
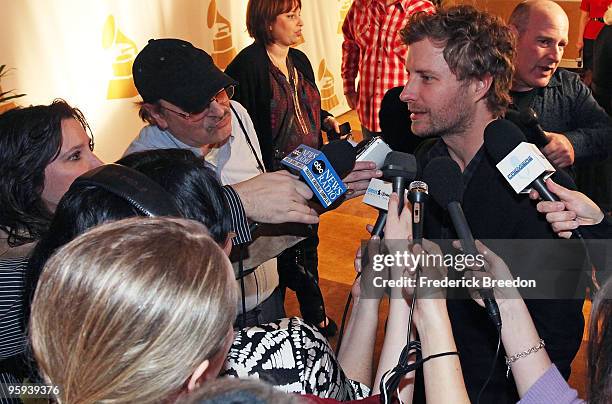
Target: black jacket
column 494, row 211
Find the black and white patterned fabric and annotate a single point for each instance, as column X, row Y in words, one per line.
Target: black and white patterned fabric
column 12, row 340
column 292, row 356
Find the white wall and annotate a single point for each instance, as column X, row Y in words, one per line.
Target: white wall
column 67, row 49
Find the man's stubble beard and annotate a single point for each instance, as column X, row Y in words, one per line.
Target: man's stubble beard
column 460, row 123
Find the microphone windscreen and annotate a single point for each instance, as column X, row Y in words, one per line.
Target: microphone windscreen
column 341, row 155
column 399, row 164
column 501, row 137
column 443, row 176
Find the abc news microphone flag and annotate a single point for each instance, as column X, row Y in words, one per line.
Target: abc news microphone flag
column 313, row 166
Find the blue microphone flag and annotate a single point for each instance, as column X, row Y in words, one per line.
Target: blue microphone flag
column 316, row 170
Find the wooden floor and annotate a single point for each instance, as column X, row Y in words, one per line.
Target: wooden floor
column 341, row 232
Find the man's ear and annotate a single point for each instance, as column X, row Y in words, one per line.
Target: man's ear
column 514, row 30
column 481, row 86
column 199, row 376
column 156, row 116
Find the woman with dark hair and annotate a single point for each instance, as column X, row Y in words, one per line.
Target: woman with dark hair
column 190, row 184
column 43, row 148
column 278, row 89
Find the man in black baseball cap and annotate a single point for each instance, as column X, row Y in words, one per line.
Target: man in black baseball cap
column 187, row 103
column 183, row 92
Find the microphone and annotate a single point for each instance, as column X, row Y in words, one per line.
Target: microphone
column 446, row 187
column 398, row 168
column 527, row 121
column 377, row 195
column 342, row 155
column 323, row 169
column 418, row 195
column 375, row 150
column 522, row 164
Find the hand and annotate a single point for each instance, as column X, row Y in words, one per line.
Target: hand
column 398, row 236
column 494, row 267
column 357, row 181
column 559, row 150
column 368, row 267
column 431, row 300
column 331, row 123
column 277, row 197
column 575, row 209
column 351, row 99
column 398, row 227
column 431, row 268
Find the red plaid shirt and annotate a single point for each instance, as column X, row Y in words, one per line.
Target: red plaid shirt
column 372, row 46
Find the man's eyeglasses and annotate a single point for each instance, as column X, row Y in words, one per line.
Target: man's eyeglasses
column 222, row 97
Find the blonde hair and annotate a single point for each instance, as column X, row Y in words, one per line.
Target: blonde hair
column 127, row 311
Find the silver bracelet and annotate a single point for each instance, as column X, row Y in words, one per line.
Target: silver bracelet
column 523, row 354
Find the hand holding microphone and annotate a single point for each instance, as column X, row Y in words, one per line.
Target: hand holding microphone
column 521, row 164
column 398, row 225
column 556, row 146
column 323, row 169
column 573, row 210
column 398, row 168
column 495, row 268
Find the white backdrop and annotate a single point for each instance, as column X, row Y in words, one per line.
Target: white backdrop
column 83, row 50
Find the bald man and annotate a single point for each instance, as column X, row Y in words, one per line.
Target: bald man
column 579, row 130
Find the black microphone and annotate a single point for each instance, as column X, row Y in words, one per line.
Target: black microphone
column 342, row 155
column 398, row 168
column 501, row 137
column 445, row 182
column 527, row 121
column 538, row 136
column 379, row 226
column 418, row 195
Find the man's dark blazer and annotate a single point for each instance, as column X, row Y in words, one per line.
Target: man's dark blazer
column 494, row 211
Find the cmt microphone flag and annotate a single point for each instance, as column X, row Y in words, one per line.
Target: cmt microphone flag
column 523, row 165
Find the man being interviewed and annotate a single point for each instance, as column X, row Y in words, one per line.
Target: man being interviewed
column 460, row 64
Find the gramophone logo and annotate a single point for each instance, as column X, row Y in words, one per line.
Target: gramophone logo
column 326, row 83
column 122, row 83
column 344, row 8
column 223, row 49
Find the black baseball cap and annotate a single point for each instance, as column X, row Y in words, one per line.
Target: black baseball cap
column 178, row 72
